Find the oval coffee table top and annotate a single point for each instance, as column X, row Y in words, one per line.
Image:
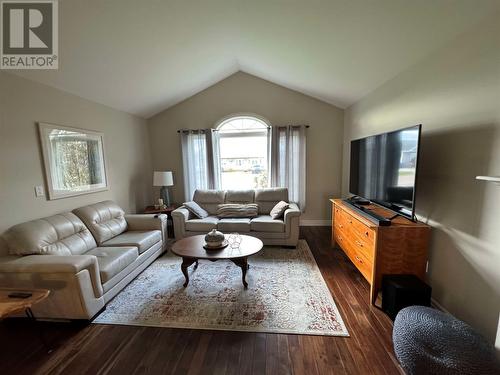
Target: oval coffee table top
column 192, row 247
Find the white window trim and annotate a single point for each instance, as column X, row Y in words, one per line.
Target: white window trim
column 264, row 132
column 234, row 116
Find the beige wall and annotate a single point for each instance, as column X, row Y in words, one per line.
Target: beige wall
column 244, row 93
column 455, row 94
column 22, row 104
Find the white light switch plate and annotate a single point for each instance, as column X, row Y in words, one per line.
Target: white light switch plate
column 39, row 191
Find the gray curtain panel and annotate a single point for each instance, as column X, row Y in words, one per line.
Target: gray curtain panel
column 200, row 159
column 213, row 159
column 288, row 161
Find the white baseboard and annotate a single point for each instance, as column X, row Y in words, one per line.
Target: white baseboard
column 315, row 223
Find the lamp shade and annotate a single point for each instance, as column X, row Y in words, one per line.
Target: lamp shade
column 163, row 179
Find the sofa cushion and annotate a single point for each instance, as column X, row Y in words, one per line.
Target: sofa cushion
column 113, row 260
column 202, row 225
column 268, row 198
column 143, row 240
column 104, row 219
column 195, row 209
column 237, row 210
column 234, row 225
column 240, row 196
column 279, row 210
column 62, row 234
column 265, row 223
column 209, row 199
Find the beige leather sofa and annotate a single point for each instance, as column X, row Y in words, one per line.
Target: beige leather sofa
column 283, row 232
column 84, row 257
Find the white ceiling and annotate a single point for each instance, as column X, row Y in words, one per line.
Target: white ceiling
column 145, row 56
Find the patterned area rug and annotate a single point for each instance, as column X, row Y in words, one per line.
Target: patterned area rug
column 286, row 294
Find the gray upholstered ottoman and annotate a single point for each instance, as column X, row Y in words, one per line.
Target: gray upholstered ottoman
column 428, row 341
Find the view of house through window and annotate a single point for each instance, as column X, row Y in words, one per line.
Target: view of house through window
column 244, row 153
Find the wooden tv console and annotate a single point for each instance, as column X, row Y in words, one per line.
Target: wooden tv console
column 400, row 248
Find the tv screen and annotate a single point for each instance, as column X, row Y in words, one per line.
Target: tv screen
column 384, row 169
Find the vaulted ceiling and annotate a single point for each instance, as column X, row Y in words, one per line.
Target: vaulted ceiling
column 145, row 56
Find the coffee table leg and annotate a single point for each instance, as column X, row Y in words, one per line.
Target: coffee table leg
column 186, row 262
column 243, row 264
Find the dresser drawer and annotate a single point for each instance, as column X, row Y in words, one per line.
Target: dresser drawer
column 357, row 256
column 356, row 240
column 364, row 265
column 338, row 216
column 364, row 233
column 364, row 247
column 363, row 236
column 343, row 241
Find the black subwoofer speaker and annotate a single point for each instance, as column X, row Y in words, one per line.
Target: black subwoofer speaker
column 400, row 291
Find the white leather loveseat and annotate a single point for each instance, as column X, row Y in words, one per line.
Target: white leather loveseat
column 84, row 257
column 283, row 232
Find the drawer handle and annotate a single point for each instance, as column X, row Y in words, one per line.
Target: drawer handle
column 350, row 221
column 359, row 243
column 340, row 238
column 359, row 259
column 366, row 233
column 341, row 226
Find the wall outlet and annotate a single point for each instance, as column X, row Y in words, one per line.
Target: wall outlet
column 39, row 191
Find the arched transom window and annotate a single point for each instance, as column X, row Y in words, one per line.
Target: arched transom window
column 244, row 152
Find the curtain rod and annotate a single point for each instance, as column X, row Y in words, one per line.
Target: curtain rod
column 180, row 130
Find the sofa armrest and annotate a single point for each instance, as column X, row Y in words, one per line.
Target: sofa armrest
column 148, row 222
column 53, row 264
column 145, row 221
column 292, row 211
column 179, row 217
column 291, row 219
column 182, row 213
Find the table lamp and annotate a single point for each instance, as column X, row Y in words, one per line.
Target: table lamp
column 163, row 179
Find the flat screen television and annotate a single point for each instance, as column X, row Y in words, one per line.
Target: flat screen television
column 384, row 169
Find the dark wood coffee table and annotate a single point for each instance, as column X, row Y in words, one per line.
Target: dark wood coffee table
column 191, row 250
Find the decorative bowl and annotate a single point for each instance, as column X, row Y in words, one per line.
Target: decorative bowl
column 214, row 238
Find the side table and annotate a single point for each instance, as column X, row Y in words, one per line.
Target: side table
column 167, row 211
column 10, row 306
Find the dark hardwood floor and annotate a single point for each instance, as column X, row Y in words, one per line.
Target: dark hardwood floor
column 108, row 349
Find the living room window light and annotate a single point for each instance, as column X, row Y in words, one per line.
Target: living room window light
column 245, row 152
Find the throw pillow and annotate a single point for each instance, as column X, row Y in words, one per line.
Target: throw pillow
column 237, row 210
column 196, row 210
column 279, row 210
